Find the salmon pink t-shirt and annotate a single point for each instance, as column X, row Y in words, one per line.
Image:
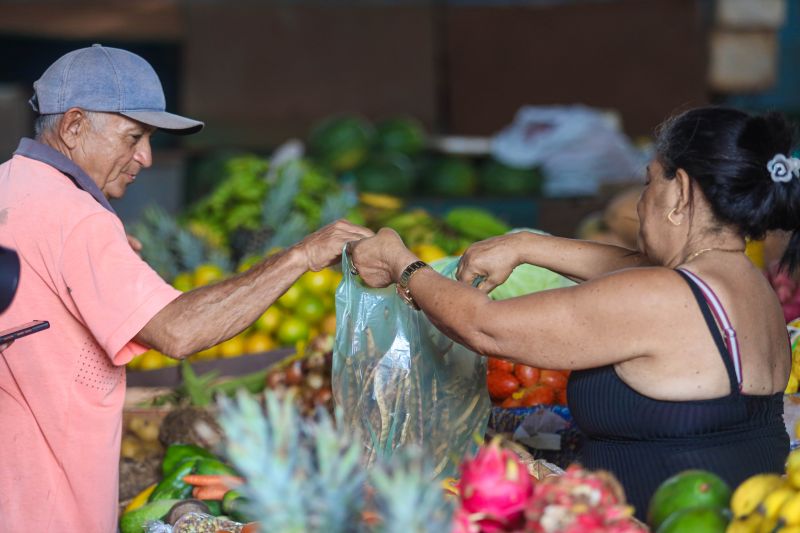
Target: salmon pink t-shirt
column 62, row 389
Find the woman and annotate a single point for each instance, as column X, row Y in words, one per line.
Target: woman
column 679, row 350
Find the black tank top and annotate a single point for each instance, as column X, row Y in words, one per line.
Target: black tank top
column 644, row 441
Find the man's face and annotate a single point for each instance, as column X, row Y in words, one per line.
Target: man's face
column 112, row 151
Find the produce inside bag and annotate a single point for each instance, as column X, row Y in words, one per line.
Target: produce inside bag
column 397, row 380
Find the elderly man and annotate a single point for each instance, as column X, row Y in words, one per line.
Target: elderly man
column 62, row 390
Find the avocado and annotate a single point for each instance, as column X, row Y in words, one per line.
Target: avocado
column 134, row 521
column 686, row 490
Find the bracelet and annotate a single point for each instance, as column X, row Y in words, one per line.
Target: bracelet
column 405, row 277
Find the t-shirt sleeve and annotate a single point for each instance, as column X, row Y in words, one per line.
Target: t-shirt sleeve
column 114, row 290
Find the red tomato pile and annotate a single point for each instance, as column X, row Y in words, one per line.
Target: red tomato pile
column 515, row 385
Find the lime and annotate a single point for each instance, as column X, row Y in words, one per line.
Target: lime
column 268, row 322
column 150, row 360
column 290, row 298
column 184, row 282
column 292, row 330
column 318, row 283
column 310, row 309
column 207, row 273
column 686, row 490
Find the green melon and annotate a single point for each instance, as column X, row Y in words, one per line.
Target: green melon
column 502, row 180
column 399, row 135
column 386, row 174
column 341, row 143
column 686, row 490
column 696, row 520
column 451, row 176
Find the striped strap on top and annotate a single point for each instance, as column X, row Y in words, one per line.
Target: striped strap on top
column 731, row 341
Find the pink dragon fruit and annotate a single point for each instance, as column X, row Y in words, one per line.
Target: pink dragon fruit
column 462, row 522
column 495, row 486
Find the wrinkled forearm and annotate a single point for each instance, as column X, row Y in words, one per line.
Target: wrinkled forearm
column 208, row 315
column 577, row 259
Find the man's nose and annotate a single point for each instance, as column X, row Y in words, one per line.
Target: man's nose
column 144, row 155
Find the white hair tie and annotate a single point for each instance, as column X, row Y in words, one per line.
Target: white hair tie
column 782, row 168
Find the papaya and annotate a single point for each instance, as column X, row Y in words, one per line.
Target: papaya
column 686, row 490
column 697, row 520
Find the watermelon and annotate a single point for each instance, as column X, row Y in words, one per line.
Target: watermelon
column 341, row 143
column 386, row 174
column 399, row 135
column 451, row 176
column 503, row 180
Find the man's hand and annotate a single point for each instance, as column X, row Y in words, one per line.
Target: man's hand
column 494, row 259
column 323, row 248
column 380, row 259
column 135, row 243
column 5, row 345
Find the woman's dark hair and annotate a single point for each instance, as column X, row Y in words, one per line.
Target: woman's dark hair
column 726, row 152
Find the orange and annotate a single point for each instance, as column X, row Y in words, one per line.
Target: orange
column 258, row 342
column 150, row 360
column 310, row 308
column 269, row 321
column 232, row 347
column 292, row 330
column 290, row 298
column 207, row 273
column 328, row 324
column 208, row 353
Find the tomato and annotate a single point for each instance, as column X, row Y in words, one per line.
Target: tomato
column 510, row 403
column 561, row 397
column 538, row 395
column 554, row 378
column 501, row 384
column 527, row 375
column 501, row 365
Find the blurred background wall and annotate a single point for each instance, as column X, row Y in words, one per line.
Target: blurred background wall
column 259, row 73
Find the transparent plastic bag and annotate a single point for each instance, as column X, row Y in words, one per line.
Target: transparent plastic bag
column 397, row 380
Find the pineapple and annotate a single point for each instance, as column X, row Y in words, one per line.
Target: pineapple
column 303, row 475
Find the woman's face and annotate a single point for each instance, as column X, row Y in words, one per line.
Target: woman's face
column 652, row 210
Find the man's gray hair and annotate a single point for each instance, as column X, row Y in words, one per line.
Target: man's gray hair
column 46, row 124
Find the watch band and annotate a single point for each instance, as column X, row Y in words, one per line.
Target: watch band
column 405, row 277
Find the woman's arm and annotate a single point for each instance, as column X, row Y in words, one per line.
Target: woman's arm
column 579, row 260
column 603, row 321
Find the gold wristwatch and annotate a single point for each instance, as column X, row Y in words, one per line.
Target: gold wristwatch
column 402, row 285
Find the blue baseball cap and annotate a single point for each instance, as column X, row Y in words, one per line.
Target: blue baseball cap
column 109, row 80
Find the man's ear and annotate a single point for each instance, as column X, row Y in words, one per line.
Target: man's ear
column 73, row 124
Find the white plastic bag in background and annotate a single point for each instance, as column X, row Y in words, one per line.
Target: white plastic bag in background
column 578, row 148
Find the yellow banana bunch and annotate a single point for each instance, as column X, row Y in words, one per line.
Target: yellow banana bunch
column 775, row 500
column 746, row 524
column 749, row 495
column 789, row 513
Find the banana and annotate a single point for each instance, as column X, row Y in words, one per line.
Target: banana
column 752, row 491
column 793, row 469
column 773, row 502
column 789, row 513
column 768, row 525
column 745, row 524
column 380, row 201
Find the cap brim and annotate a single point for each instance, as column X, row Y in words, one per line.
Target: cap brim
column 168, row 122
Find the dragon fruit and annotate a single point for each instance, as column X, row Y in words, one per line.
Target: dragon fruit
column 495, row 487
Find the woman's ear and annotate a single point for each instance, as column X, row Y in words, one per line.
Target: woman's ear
column 72, row 126
column 684, row 191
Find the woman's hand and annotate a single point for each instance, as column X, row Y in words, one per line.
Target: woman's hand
column 493, row 259
column 381, row 259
